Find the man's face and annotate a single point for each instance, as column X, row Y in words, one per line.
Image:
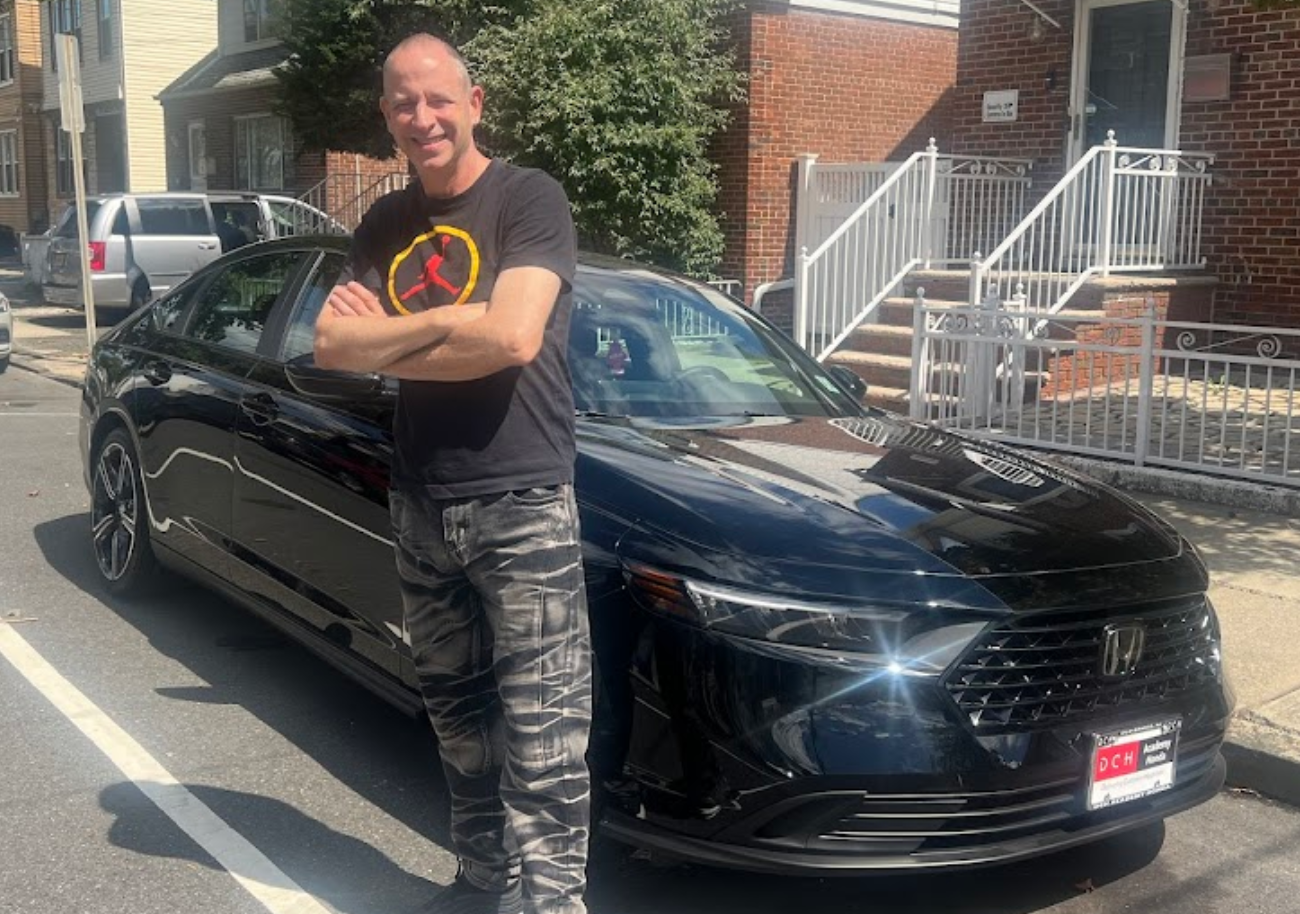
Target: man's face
column 430, row 107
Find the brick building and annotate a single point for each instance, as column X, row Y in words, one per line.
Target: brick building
column 847, row 80
column 223, row 132
column 1213, row 76
column 22, row 153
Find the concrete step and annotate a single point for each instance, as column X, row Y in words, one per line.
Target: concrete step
column 898, row 312
column 884, row 371
column 882, row 339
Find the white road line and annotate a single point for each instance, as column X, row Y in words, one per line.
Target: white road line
column 259, row 876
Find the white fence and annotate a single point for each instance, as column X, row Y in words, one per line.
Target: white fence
column 1215, row 398
column 861, row 228
column 1118, row 209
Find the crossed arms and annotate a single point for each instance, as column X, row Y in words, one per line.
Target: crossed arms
column 462, row 343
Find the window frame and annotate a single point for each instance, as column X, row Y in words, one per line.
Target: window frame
column 107, row 25
column 246, row 153
column 8, row 52
column 9, row 163
column 60, row 10
column 257, row 26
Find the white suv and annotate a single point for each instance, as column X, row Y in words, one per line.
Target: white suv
column 6, row 332
column 141, row 245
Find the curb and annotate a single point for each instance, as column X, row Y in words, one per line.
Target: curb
column 1230, row 493
column 1263, row 758
column 37, row 365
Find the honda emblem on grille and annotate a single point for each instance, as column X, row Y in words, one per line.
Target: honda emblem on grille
column 1121, row 649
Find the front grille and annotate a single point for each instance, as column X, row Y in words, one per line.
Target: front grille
column 1045, row 668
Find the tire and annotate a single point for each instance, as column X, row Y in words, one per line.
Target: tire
column 119, row 526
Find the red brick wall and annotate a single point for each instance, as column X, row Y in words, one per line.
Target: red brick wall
column 1001, row 48
column 848, row 88
column 1252, row 218
column 1252, row 221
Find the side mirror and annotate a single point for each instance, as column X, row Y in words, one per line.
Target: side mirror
column 325, row 384
column 849, row 380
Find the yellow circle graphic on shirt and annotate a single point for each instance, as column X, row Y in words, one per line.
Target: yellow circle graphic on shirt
column 430, row 275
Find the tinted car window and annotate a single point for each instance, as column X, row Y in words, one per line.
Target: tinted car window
column 299, row 339
column 641, row 346
column 232, row 311
column 161, row 216
column 167, row 312
column 68, row 221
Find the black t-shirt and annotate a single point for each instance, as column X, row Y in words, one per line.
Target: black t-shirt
column 510, row 430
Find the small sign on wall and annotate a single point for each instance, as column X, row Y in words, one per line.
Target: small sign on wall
column 1001, row 107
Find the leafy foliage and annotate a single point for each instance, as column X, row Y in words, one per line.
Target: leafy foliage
column 617, row 99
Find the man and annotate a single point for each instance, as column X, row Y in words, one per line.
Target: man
column 460, row 287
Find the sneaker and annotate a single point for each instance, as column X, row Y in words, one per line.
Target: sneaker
column 461, row 897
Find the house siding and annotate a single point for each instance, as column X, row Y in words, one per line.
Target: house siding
column 101, row 80
column 156, row 49
column 1252, row 216
column 849, row 88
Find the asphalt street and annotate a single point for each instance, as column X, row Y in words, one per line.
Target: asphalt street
column 342, row 796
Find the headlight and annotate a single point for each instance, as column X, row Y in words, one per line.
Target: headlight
column 913, row 640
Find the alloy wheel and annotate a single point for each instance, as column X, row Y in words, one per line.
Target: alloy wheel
column 114, row 511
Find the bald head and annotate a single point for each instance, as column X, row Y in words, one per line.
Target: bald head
column 425, row 47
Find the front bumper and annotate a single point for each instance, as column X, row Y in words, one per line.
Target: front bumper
column 982, row 838
column 745, row 758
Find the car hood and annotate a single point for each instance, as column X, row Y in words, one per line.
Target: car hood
column 783, row 496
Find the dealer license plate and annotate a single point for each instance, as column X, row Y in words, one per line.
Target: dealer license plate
column 1134, row 763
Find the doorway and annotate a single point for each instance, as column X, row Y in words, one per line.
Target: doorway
column 1127, row 74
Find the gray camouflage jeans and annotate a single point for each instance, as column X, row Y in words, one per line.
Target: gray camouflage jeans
column 496, row 610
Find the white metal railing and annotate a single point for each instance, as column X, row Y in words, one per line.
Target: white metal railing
column 1118, row 209
column 345, row 198
column 1209, row 397
column 919, row 212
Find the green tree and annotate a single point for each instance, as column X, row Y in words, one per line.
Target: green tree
column 330, row 85
column 618, row 99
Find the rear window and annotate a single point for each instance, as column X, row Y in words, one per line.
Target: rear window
column 173, row 217
column 68, row 221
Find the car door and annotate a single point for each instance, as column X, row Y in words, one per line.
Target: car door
column 176, row 237
column 200, row 343
column 312, row 529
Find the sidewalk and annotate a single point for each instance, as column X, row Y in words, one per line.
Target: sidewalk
column 1254, row 560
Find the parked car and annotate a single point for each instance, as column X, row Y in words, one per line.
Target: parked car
column 827, row 638
column 6, row 332
column 141, row 245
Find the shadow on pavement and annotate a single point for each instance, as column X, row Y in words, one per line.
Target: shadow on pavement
column 325, row 863
column 391, row 762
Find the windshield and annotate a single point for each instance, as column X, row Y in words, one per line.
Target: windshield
column 644, row 345
column 68, row 221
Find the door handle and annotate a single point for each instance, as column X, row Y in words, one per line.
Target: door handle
column 207, row 245
column 261, row 409
column 157, row 373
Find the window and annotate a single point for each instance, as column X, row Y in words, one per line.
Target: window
column 300, row 338
column 260, row 146
column 65, row 19
column 107, row 29
column 164, row 216
column 259, row 19
column 234, row 308
column 6, row 48
column 8, row 163
column 63, row 163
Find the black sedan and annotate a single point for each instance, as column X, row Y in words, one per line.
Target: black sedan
column 827, row 638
